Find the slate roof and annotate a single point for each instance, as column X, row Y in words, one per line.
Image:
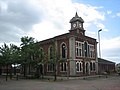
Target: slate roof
column 76, row 18
column 103, row 61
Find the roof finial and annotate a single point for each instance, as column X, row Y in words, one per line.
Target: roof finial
column 76, row 15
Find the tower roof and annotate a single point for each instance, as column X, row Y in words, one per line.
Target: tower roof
column 76, row 18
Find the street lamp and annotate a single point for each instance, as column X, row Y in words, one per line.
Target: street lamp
column 99, row 42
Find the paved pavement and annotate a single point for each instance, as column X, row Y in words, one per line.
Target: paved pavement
column 90, row 83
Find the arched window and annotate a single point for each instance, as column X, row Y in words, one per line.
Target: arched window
column 41, row 53
column 51, row 52
column 94, row 66
column 50, row 65
column 78, row 66
column 64, row 48
column 63, row 66
column 86, row 49
column 91, row 66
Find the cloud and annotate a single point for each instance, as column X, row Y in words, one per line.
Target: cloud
column 113, row 43
column 44, row 19
column 109, row 12
column 110, row 48
column 101, row 26
column 111, row 54
column 58, row 14
column 42, row 32
column 15, row 20
column 118, row 14
column 89, row 13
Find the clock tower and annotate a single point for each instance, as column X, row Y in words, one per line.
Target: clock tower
column 77, row 24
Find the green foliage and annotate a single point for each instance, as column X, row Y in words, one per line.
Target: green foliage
column 9, row 54
column 31, row 53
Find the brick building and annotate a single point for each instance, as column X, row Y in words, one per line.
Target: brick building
column 75, row 52
column 105, row 66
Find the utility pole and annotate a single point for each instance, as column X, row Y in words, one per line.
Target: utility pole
column 99, row 42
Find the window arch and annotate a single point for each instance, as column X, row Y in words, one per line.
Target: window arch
column 63, row 50
column 50, row 65
column 78, row 66
column 93, row 66
column 50, row 52
column 86, row 48
column 63, row 66
column 41, row 52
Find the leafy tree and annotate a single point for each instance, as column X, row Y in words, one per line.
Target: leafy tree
column 1, row 63
column 6, row 57
column 9, row 55
column 15, row 56
column 26, row 52
column 54, row 60
column 32, row 54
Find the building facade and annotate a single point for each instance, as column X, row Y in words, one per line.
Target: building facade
column 74, row 53
column 105, row 66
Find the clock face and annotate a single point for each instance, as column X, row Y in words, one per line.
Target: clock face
column 74, row 25
column 80, row 25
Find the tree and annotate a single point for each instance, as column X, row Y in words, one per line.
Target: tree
column 1, row 63
column 54, row 59
column 10, row 54
column 26, row 52
column 6, row 57
column 15, row 56
column 40, row 59
column 32, row 54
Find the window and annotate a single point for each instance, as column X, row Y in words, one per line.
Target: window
column 50, row 67
column 78, row 49
column 64, row 50
column 92, row 66
column 63, row 66
column 91, row 51
column 78, row 66
column 86, row 49
column 77, row 52
column 41, row 53
column 51, row 53
column 83, row 50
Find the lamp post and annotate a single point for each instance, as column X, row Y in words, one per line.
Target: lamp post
column 99, row 42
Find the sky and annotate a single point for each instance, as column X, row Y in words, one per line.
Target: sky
column 43, row 19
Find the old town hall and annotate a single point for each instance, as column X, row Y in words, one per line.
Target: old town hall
column 75, row 53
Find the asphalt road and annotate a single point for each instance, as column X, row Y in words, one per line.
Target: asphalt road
column 110, row 83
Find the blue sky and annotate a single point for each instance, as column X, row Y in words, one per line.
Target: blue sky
column 43, row 19
column 111, row 30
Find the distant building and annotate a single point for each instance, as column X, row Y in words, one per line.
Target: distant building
column 118, row 68
column 105, row 66
column 76, row 52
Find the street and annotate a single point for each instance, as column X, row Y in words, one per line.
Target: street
column 103, row 83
